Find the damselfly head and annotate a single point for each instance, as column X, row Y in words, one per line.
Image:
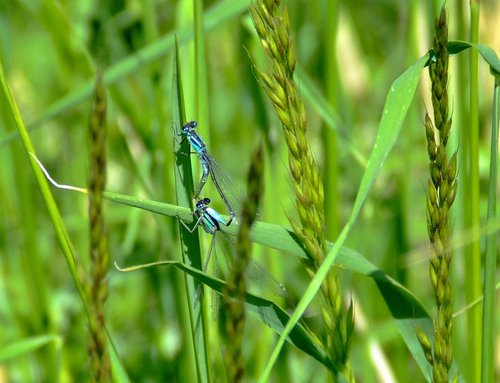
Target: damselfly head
column 189, row 126
column 202, row 203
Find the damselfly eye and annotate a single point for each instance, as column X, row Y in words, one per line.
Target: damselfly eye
column 189, row 126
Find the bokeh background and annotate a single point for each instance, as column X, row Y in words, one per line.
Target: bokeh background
column 347, row 52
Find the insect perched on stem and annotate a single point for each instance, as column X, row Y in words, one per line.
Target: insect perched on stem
column 209, row 167
column 211, row 222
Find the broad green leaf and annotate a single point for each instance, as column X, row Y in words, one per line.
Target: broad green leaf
column 490, row 56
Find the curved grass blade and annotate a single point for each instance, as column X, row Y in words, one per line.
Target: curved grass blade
column 280, row 238
column 488, row 54
column 55, row 216
column 404, row 306
column 27, row 346
column 264, row 310
column 397, row 104
column 283, row 239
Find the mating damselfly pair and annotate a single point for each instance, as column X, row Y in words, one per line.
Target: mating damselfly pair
column 209, row 167
column 210, row 220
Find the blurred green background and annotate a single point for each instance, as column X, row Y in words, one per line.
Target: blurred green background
column 348, row 51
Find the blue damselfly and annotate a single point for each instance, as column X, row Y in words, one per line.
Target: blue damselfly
column 211, row 222
column 210, row 167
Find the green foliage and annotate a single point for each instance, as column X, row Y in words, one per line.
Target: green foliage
column 155, row 332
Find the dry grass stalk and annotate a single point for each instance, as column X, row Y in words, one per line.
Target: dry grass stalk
column 236, row 285
column 97, row 286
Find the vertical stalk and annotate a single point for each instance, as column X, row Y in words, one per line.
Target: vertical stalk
column 473, row 252
column 271, row 20
column 462, row 120
column 330, row 142
column 490, row 264
column 236, row 284
column 99, row 257
column 440, row 197
column 200, row 69
column 190, row 242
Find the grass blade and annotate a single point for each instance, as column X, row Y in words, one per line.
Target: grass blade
column 217, row 14
column 190, row 243
column 490, row 261
column 397, row 103
column 27, row 346
column 60, row 229
column 280, row 238
column 266, row 311
column 117, row 370
column 55, row 216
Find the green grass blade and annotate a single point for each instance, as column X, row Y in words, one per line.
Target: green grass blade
column 397, row 103
column 404, row 306
column 190, row 243
column 266, row 311
column 27, row 346
column 488, row 54
column 55, row 216
column 215, row 15
column 200, row 67
column 118, row 371
column 490, row 261
column 283, row 239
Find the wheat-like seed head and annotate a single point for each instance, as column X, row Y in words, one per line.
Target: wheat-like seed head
column 441, row 193
column 272, row 25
